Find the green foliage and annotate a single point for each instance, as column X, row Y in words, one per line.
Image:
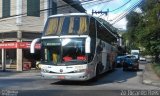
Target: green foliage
column 156, row 68
column 144, row 28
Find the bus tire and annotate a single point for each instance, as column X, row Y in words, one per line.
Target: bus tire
column 99, row 68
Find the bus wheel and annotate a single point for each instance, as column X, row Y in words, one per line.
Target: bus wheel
column 94, row 79
column 99, row 68
column 97, row 71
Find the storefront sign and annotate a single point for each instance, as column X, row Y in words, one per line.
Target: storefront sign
column 14, row 45
column 8, row 45
column 27, row 45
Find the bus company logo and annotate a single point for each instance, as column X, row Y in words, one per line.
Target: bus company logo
column 61, row 70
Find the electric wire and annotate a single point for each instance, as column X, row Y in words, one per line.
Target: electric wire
column 97, row 2
column 128, row 11
column 23, row 15
column 121, row 6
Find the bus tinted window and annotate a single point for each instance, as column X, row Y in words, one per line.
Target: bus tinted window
column 66, row 25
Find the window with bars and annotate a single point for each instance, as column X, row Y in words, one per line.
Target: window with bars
column 52, row 7
column 5, row 8
column 33, row 8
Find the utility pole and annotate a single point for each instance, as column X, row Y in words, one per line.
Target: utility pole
column 100, row 12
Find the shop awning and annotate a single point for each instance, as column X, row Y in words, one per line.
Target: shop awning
column 15, row 45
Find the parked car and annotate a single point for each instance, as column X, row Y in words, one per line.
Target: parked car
column 119, row 61
column 130, row 62
column 142, row 59
column 130, row 56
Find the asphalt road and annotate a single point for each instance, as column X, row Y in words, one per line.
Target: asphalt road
column 114, row 83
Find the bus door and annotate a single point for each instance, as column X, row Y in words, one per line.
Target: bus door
column 103, row 54
column 53, row 54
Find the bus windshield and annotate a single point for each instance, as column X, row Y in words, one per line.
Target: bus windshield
column 64, row 51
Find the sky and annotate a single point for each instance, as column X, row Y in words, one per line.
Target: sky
column 117, row 9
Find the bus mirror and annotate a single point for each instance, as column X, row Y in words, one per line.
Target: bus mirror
column 33, row 43
column 87, row 45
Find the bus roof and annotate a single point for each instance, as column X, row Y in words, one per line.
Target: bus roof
column 111, row 30
column 70, row 14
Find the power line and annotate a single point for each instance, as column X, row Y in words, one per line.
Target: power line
column 97, row 2
column 24, row 14
column 127, row 10
column 120, row 6
column 63, row 6
column 57, row 7
column 123, row 14
column 42, row 10
column 130, row 9
column 105, row 5
column 101, row 1
column 116, row 8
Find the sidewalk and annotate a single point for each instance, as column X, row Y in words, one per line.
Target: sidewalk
column 150, row 77
column 23, row 74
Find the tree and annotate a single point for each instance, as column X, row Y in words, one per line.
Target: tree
column 144, row 28
column 133, row 21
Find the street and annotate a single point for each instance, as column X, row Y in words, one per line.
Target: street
column 113, row 82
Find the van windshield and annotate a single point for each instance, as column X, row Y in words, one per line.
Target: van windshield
column 135, row 53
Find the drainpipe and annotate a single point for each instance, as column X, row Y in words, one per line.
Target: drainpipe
column 3, row 59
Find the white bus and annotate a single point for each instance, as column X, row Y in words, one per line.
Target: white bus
column 76, row 46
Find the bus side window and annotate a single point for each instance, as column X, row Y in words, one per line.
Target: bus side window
column 92, row 34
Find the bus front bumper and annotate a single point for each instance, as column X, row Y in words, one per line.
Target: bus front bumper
column 68, row 76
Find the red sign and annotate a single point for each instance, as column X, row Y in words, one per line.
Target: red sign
column 27, row 45
column 8, row 45
column 14, row 45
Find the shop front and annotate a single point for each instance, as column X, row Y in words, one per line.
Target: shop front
column 16, row 55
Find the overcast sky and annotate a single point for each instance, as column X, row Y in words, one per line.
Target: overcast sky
column 121, row 7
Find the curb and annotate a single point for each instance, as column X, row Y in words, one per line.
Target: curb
column 149, row 81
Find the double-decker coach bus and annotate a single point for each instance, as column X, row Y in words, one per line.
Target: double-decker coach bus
column 76, row 46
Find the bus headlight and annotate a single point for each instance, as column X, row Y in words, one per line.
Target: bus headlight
column 80, row 68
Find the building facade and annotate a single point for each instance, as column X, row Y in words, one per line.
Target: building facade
column 21, row 21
